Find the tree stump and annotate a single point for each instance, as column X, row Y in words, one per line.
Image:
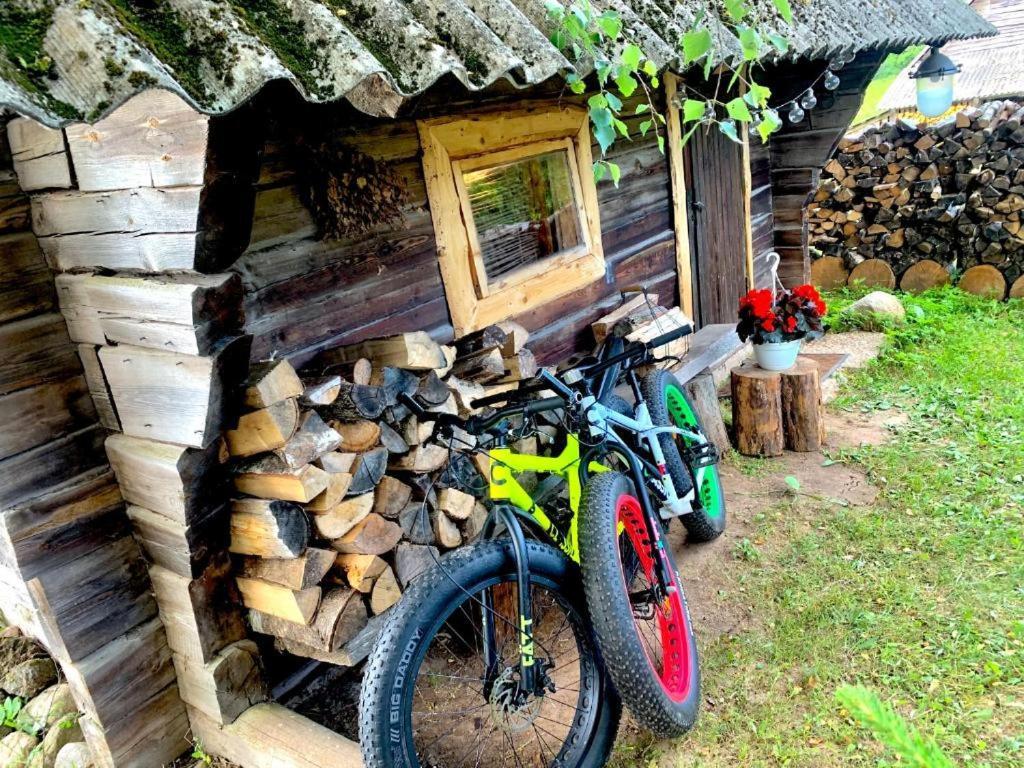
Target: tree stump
column 1017, row 289
column 873, row 273
column 829, row 273
column 924, row 275
column 803, row 417
column 704, row 396
column 984, row 280
column 757, row 411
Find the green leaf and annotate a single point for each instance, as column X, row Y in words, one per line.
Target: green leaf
column 784, row 9
column 626, row 83
column 661, row 144
column 728, row 127
column 757, row 95
column 737, row 109
column 770, row 122
column 621, row 127
column 631, row 56
column 597, row 101
column 641, row 108
column 750, row 42
column 645, row 126
column 780, row 43
column 577, row 86
column 650, row 68
column 793, row 483
column 599, row 171
column 610, row 23
column 693, row 109
column 736, row 9
column 605, row 136
column 616, row 173
column 613, row 101
column 655, row 82
column 696, row 44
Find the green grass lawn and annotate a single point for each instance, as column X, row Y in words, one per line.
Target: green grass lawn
column 919, row 597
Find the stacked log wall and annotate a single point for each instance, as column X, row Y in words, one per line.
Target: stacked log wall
column 71, row 571
column 304, row 294
column 951, row 192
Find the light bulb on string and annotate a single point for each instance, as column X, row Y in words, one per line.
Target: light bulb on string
column 831, row 81
column 809, row 100
column 755, row 121
column 796, row 114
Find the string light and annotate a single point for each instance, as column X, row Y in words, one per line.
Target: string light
column 796, row 113
column 831, row 80
column 809, row 100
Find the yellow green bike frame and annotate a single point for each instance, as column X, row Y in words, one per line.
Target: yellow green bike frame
column 505, row 465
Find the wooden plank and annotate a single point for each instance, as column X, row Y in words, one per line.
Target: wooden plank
column 39, row 156
column 172, row 397
column 677, row 171
column 15, row 213
column 31, row 473
column 96, row 381
column 154, row 139
column 129, row 211
column 201, row 615
column 26, row 284
column 37, row 415
column 35, row 350
column 82, row 320
column 149, row 253
column 184, row 549
column 224, row 687
column 171, row 479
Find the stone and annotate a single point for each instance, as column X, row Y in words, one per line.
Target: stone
column 48, row 707
column 63, row 732
column 74, row 755
column 10, row 632
column 15, row 748
column 14, row 650
column 29, row 677
column 878, row 303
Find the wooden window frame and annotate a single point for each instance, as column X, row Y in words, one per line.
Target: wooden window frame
column 453, row 145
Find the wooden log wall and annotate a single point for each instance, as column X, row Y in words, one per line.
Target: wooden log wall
column 153, row 195
column 71, row 571
column 304, row 294
column 798, row 152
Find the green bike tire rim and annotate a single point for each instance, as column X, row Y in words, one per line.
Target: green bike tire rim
column 682, row 415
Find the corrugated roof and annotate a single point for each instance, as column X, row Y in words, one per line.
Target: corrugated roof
column 64, row 60
column 993, row 69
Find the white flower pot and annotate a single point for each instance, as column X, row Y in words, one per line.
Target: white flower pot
column 779, row 356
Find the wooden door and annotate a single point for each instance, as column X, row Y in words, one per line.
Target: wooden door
column 718, row 229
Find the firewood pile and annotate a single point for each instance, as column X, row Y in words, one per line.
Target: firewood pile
column 951, row 193
column 343, row 496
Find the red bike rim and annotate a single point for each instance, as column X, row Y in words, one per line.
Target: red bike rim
column 665, row 636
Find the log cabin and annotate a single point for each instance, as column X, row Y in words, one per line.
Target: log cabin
column 186, row 187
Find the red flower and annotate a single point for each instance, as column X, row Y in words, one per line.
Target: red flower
column 810, row 294
column 758, row 301
column 790, row 324
column 768, row 323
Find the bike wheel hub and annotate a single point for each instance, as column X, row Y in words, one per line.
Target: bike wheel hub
column 512, row 710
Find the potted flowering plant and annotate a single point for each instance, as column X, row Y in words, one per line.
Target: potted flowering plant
column 778, row 322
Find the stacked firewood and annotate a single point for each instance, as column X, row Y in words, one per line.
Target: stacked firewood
column 344, row 495
column 952, row 192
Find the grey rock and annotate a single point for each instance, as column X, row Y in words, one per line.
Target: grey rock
column 15, row 748
column 47, row 708
column 29, row 677
column 64, row 731
column 878, row 303
column 74, row 755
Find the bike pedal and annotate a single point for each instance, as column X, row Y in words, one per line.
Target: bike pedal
column 702, row 455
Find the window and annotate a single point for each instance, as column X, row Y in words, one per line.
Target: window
column 515, row 219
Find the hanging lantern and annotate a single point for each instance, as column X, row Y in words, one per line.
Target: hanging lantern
column 831, row 81
column 935, row 77
column 809, row 100
column 796, row 114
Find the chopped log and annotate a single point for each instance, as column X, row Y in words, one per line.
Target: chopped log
column 355, row 402
column 472, row 527
column 338, row 619
column 523, row 365
column 390, row 497
column 415, row 351
column 386, row 592
column 415, row 522
column 296, row 573
column 446, row 532
column 337, row 462
column 367, row 471
column 449, row 356
column 298, row 606
column 320, row 391
column 984, row 280
column 448, row 406
column 395, row 382
column 268, row 528
column 337, row 486
column 226, row 686
column 803, row 415
column 343, row 517
column 516, row 337
column 271, row 382
column 637, row 306
column 358, row 436
column 465, row 393
column 923, row 275
column 311, row 441
column 362, row 370
column 411, row 560
column 391, row 440
column 704, row 397
column 422, row 458
column 264, row 430
column 481, row 367
column 829, row 273
column 483, row 340
column 757, row 411
column 361, row 570
column 431, row 390
column 268, row 477
column 416, row 432
column 873, row 273
column 1017, row 289
column 456, row 504
column 372, row 536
